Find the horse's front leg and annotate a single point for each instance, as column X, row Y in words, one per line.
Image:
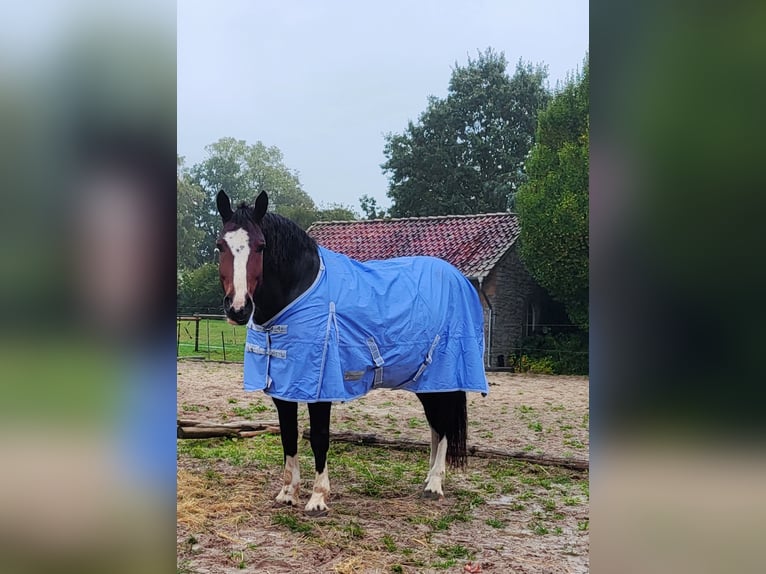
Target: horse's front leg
column 288, row 429
column 319, row 415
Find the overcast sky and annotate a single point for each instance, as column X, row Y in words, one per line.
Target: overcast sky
column 325, row 80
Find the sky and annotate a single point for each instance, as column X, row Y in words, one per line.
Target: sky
column 324, row 81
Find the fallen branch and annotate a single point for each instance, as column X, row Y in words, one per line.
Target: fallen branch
column 473, row 450
column 207, row 429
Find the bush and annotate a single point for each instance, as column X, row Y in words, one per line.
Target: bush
column 559, row 354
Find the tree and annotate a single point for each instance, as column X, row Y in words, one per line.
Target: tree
column 370, row 207
column 466, row 152
column 199, row 290
column 335, row 212
column 553, row 204
column 190, row 219
column 243, row 171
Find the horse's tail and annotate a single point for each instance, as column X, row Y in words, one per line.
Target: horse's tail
column 456, row 430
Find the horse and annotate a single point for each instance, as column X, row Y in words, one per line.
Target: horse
column 324, row 328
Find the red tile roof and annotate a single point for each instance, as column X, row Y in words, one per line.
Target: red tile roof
column 472, row 243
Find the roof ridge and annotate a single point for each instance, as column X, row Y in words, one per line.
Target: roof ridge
column 419, row 218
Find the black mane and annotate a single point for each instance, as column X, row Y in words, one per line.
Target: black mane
column 290, row 262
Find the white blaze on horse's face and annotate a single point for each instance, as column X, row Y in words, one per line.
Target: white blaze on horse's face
column 239, row 245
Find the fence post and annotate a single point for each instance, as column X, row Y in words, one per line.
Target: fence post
column 223, row 344
column 207, row 324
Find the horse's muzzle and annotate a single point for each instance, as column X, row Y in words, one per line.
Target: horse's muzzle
column 238, row 316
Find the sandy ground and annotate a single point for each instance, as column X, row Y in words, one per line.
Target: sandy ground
column 507, row 418
column 542, row 415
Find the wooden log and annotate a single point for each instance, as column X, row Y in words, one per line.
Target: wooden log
column 472, row 450
column 207, row 429
column 243, row 424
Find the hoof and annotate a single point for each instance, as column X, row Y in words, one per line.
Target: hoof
column 317, row 513
column 431, row 495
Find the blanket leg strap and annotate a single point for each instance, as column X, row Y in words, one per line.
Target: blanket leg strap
column 429, row 358
column 378, row 360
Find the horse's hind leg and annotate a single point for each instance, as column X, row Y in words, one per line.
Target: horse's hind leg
column 319, row 415
column 447, row 416
column 288, row 429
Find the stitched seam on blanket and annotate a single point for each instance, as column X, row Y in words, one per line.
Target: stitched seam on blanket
column 330, row 321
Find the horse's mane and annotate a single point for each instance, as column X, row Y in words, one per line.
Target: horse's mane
column 284, row 238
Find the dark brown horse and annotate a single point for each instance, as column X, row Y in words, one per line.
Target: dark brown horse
column 267, row 264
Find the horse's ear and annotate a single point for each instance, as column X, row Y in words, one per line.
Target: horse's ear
column 224, row 206
column 261, row 204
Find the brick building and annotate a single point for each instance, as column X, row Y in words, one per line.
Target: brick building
column 482, row 247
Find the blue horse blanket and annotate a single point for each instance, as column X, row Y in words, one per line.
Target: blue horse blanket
column 412, row 323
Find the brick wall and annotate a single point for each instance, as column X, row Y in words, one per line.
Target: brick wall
column 510, row 289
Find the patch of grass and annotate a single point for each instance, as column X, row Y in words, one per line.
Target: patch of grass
column 354, row 530
column 444, row 565
column 250, row 410
column 517, row 506
column 238, row 558
column 535, row 426
column 583, row 525
column 212, row 475
column 414, row 423
column 397, row 568
column 524, row 409
column 265, row 449
column 574, row 443
column 389, row 543
column 495, row 523
column 187, row 408
column 232, row 401
column 538, row 528
column 454, row 551
column 291, row 522
column 571, row 501
column 549, row 504
column 558, row 530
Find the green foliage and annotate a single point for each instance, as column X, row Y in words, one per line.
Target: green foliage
column 200, row 290
column 190, row 234
column 335, row 212
column 553, row 354
column 466, row 152
column 370, row 208
column 553, row 203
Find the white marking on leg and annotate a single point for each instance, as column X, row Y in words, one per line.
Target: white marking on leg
column 436, row 474
column 292, row 482
column 434, row 446
column 239, row 244
column 321, row 492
